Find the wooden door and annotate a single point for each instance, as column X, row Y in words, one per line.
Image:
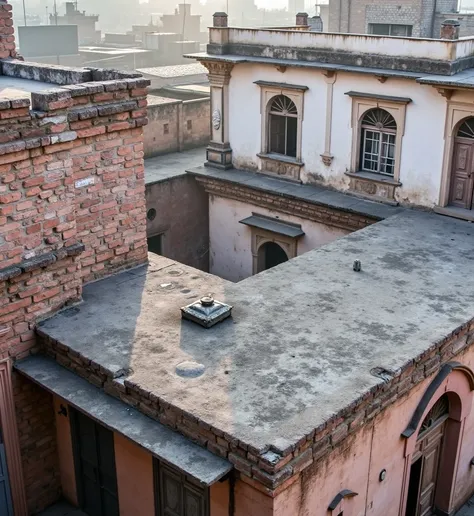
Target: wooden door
column 431, row 448
column 462, row 181
column 6, row 507
column 178, row 495
column 94, row 458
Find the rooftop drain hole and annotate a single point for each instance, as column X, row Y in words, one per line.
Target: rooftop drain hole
column 384, row 374
column 189, row 369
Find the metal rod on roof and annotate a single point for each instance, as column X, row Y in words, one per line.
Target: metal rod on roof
column 24, row 11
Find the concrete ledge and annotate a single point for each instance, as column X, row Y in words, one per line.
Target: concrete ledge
column 53, row 74
column 160, row 441
column 41, row 261
column 314, row 194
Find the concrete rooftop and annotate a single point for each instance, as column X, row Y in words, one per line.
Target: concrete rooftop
column 173, row 164
column 304, row 336
column 14, row 88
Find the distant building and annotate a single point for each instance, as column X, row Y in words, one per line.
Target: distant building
column 86, row 23
column 295, row 6
column 183, row 22
column 415, row 18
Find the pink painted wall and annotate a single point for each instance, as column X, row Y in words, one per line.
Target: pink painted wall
column 357, row 463
column 65, row 454
column 251, row 502
column 134, row 478
column 219, row 499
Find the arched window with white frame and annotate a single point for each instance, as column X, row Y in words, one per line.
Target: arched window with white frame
column 283, row 126
column 378, row 141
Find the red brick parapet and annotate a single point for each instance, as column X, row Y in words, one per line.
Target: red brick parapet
column 71, row 174
column 7, row 32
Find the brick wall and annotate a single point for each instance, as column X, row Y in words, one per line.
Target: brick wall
column 185, row 235
column 72, row 204
column 72, row 210
column 176, row 125
column 37, row 433
column 7, row 37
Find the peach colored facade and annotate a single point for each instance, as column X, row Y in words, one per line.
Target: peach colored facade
column 356, row 464
column 134, row 468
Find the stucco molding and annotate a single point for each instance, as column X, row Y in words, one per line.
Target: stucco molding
column 456, row 113
column 430, row 392
column 361, row 103
column 330, row 78
column 268, row 91
column 306, row 210
column 457, row 382
column 261, row 236
column 11, row 440
column 336, row 501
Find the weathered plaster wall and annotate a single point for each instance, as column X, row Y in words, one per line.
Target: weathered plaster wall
column 134, row 478
column 230, row 241
column 186, row 234
column 176, row 125
column 422, row 145
column 356, row 465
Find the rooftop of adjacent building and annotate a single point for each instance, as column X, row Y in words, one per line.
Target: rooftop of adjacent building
column 445, row 62
column 304, row 336
column 14, row 88
column 175, row 70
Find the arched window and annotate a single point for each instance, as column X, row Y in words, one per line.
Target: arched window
column 378, row 134
column 439, row 412
column 466, row 129
column 283, row 126
column 270, row 255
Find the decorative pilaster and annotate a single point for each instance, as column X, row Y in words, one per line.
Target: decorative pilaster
column 219, row 152
column 330, row 78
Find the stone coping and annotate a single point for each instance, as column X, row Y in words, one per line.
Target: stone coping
column 168, row 446
column 40, row 261
column 309, row 193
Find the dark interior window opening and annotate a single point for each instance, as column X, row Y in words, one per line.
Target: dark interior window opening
column 283, row 126
column 155, row 244
column 270, row 255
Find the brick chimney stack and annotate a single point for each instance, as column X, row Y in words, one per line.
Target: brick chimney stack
column 7, row 37
column 302, row 19
column 450, row 29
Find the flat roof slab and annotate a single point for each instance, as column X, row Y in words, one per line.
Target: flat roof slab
column 303, row 337
column 119, row 417
column 13, row 88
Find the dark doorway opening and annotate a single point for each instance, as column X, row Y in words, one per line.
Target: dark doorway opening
column 270, row 255
column 414, row 488
column 94, row 461
column 155, row 244
column 6, row 507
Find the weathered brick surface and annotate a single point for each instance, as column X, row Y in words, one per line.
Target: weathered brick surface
column 270, row 468
column 72, row 209
column 285, row 204
column 37, row 432
column 7, row 36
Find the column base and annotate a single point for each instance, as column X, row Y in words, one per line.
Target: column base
column 219, row 157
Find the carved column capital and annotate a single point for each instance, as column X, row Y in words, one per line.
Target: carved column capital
column 219, row 72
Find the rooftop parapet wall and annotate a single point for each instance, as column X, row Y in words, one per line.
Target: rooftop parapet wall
column 7, row 36
column 407, row 54
column 72, row 197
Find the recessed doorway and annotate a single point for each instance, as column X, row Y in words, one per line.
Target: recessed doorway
column 270, row 255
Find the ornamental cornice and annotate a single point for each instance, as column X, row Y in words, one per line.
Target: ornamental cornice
column 290, row 206
column 219, row 72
